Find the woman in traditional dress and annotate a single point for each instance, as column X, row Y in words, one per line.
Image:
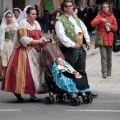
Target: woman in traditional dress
column 23, row 74
column 8, row 27
column 18, row 14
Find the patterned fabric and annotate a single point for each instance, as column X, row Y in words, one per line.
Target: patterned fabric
column 7, row 47
column 48, row 53
column 6, row 53
column 9, row 35
column 66, row 69
column 35, row 35
column 69, row 27
column 78, row 52
column 49, row 5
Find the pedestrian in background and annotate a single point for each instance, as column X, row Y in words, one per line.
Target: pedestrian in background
column 18, row 14
column 87, row 15
column 55, row 15
column 105, row 19
column 47, row 21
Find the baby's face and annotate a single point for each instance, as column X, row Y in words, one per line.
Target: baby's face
column 60, row 61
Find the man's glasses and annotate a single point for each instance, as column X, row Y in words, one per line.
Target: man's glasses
column 69, row 6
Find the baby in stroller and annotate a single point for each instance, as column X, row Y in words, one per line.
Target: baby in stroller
column 71, row 81
column 60, row 83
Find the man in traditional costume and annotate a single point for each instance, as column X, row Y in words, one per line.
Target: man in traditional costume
column 67, row 27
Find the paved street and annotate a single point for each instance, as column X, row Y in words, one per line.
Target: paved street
column 105, row 107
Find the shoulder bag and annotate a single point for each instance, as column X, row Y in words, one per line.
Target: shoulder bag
column 99, row 38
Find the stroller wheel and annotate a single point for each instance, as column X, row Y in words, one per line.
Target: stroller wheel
column 90, row 98
column 85, row 99
column 75, row 101
column 49, row 100
column 60, row 98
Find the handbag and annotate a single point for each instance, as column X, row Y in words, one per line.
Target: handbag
column 116, row 43
column 99, row 41
column 99, row 38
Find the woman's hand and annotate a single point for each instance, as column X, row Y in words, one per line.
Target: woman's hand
column 104, row 20
column 43, row 40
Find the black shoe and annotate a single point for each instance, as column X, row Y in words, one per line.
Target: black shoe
column 104, row 76
column 34, row 99
column 93, row 95
column 18, row 96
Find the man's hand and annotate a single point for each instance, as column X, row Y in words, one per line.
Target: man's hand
column 88, row 45
column 77, row 46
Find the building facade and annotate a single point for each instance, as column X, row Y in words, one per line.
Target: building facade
column 10, row 4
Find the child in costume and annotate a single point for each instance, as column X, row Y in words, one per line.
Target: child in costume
column 67, row 78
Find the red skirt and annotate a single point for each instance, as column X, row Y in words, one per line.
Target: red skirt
column 18, row 78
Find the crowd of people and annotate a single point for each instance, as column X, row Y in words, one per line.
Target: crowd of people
column 21, row 34
column 84, row 12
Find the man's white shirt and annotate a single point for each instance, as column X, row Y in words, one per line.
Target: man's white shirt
column 60, row 31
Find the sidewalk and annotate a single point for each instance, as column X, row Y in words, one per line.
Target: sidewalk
column 93, row 67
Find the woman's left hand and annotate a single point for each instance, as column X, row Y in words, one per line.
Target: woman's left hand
column 45, row 40
column 41, row 40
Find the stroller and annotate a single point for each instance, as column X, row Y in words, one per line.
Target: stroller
column 48, row 53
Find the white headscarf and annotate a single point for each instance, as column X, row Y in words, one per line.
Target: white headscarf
column 3, row 27
column 24, row 16
column 19, row 18
column 24, row 24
